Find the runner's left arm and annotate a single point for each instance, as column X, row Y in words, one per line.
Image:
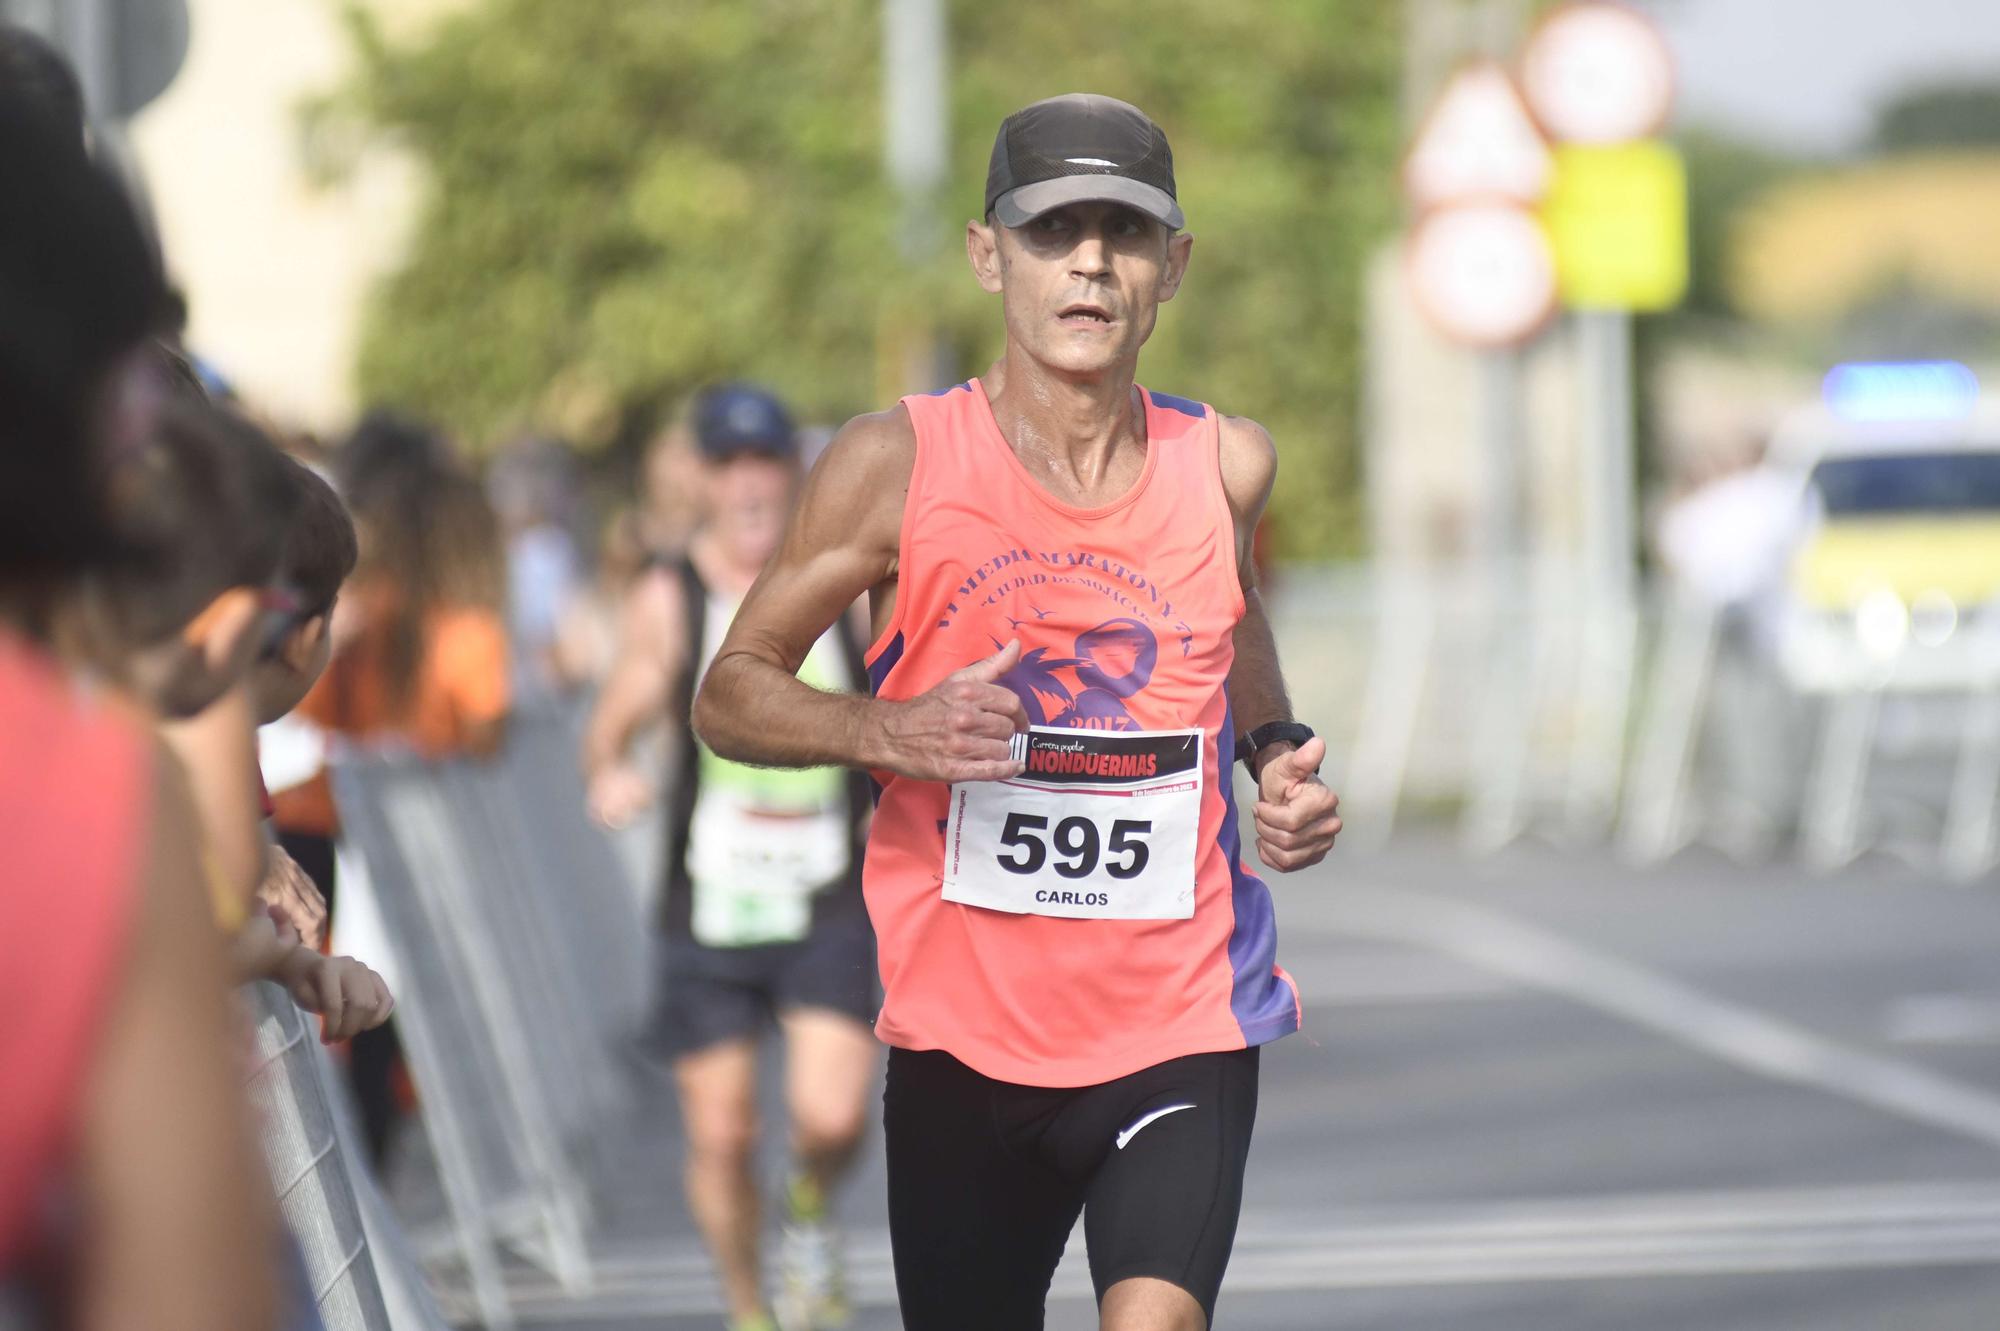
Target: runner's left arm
column 1297, row 816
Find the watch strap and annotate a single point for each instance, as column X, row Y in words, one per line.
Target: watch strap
column 1271, row 732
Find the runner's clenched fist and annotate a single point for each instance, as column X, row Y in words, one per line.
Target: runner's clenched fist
column 1297, row 816
column 960, row 730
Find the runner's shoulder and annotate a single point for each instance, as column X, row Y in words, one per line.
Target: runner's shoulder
column 863, row 477
column 874, row 446
column 1249, row 461
column 654, row 607
column 1245, row 438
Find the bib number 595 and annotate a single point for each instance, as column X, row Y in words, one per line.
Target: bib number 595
column 1077, row 846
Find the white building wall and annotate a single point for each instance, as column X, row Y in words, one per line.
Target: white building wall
column 275, row 267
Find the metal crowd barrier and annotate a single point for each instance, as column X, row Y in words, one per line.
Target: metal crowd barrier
column 522, row 966
column 302, row 1149
column 1532, row 700
column 355, row 1259
column 1502, row 693
column 406, row 1291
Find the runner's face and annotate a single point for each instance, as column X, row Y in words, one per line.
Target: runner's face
column 1082, row 284
column 749, row 499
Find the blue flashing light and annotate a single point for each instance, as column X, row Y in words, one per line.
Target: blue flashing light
column 1925, row 390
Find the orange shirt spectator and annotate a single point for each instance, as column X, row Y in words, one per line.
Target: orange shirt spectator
column 455, row 702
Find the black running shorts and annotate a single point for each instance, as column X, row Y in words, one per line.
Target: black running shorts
column 986, row 1179
column 711, row 994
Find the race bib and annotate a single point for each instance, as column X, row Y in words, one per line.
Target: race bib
column 1100, row 826
column 754, row 875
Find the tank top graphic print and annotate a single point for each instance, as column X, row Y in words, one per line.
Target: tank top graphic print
column 1049, row 934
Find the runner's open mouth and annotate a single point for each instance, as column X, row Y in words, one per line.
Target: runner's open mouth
column 1085, row 313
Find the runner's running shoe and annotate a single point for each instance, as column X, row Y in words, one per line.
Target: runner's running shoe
column 813, row 1277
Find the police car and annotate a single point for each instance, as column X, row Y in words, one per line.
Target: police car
column 1895, row 581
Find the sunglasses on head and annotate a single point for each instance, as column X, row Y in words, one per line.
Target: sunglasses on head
column 281, row 610
column 278, row 612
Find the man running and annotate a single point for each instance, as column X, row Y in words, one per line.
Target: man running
column 763, row 914
column 1079, row 971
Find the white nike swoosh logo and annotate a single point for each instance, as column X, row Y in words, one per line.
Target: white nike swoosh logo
column 1133, row 1131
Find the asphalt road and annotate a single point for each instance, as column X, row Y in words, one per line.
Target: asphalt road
column 1544, row 1091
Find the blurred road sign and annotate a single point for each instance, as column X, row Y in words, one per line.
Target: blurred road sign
column 1617, row 218
column 149, row 40
column 1482, row 273
column 1477, row 143
column 126, row 52
column 1598, row 72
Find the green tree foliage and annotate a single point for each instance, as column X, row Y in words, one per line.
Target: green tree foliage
column 1725, row 175
column 1940, row 115
column 628, row 200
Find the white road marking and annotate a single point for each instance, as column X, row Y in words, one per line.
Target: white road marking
column 1624, row 1236
column 1377, row 977
column 1752, row 1231
column 1742, row 1036
column 1944, row 1019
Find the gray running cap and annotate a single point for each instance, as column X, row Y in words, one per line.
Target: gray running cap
column 1077, row 148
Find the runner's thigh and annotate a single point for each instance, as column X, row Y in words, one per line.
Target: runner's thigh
column 830, row 1059
column 1165, row 1203
column 977, row 1230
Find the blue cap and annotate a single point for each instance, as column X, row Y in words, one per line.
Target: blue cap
column 733, row 419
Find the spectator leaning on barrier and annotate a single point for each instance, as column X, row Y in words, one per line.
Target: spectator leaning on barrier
column 130, row 1190
column 210, row 503
column 205, row 499
column 320, row 553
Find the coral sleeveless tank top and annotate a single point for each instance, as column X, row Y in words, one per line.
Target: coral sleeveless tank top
column 1093, row 917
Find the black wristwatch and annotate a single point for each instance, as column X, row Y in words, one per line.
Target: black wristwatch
column 1271, row 732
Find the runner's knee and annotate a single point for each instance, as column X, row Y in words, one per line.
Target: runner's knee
column 827, row 1129
column 717, row 1135
column 1144, row 1303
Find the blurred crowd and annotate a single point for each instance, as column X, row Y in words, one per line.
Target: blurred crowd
column 193, row 600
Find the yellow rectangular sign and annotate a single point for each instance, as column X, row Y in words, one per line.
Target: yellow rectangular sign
column 1617, row 219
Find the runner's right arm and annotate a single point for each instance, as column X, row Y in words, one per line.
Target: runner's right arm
column 651, row 643
column 843, row 540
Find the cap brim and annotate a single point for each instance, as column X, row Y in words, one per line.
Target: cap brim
column 733, row 446
column 1018, row 207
